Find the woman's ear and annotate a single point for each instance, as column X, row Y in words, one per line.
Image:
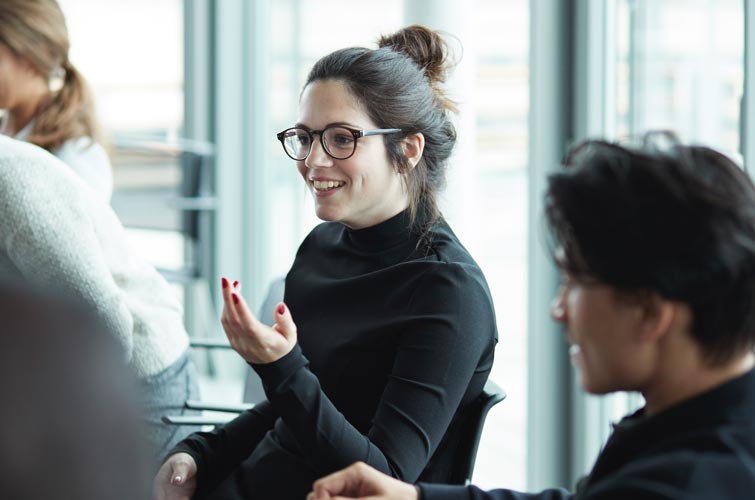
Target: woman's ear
column 413, row 146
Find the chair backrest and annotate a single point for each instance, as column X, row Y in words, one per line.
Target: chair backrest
column 453, row 462
column 253, row 391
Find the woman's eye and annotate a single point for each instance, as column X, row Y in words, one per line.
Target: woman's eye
column 304, row 140
column 342, row 140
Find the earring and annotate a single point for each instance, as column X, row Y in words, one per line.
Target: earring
column 56, row 80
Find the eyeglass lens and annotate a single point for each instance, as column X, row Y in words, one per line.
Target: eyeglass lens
column 338, row 142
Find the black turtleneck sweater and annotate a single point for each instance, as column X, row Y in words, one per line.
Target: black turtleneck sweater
column 395, row 333
column 700, row 449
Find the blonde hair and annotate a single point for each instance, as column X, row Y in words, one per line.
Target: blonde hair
column 36, row 31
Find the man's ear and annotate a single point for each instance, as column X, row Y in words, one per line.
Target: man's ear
column 658, row 316
column 413, row 146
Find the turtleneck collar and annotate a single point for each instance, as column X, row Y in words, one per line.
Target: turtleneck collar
column 384, row 235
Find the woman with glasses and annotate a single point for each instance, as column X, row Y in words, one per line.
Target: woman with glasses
column 45, row 98
column 387, row 327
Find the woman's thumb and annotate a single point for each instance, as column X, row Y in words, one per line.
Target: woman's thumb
column 179, row 473
column 284, row 323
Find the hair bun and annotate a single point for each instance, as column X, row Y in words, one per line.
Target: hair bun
column 428, row 50
column 424, row 46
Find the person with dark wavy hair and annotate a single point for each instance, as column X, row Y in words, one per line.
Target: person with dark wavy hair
column 387, row 329
column 657, row 251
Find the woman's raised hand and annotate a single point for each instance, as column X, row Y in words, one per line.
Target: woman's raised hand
column 256, row 342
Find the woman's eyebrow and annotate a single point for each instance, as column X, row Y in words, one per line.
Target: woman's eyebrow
column 332, row 124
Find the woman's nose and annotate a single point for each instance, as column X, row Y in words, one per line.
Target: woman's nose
column 318, row 158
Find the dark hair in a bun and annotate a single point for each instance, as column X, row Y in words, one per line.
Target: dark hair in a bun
column 429, row 51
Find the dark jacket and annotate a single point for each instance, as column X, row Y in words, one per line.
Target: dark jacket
column 702, row 448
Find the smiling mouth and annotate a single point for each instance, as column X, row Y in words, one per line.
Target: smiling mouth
column 327, row 185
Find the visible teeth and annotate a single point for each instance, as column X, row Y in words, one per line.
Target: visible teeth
column 324, row 185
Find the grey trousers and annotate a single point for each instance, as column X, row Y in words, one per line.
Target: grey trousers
column 164, row 394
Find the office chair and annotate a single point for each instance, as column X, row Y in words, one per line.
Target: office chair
column 454, row 460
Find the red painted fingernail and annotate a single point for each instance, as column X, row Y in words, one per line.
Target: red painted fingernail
column 224, row 282
column 235, row 284
column 281, row 309
column 235, row 298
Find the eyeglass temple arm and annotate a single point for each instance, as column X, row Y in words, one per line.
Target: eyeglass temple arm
column 380, row 131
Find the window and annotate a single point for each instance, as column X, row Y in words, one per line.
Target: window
column 493, row 184
column 137, row 83
column 132, row 57
column 680, row 67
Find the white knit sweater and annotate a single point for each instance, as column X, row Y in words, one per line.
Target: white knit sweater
column 57, row 233
column 85, row 157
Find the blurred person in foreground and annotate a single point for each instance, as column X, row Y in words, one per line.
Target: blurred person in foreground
column 657, row 252
column 69, row 425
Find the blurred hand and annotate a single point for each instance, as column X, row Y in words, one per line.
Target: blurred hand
column 256, row 342
column 176, row 479
column 361, row 481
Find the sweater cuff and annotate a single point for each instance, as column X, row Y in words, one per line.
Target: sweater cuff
column 277, row 373
column 442, row 492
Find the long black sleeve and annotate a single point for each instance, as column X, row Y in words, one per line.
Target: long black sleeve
column 699, row 449
column 436, row 357
column 396, row 331
column 218, row 452
column 445, row 492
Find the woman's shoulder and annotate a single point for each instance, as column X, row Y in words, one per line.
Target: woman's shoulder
column 83, row 147
column 442, row 243
column 23, row 164
column 456, row 290
column 448, row 261
column 90, row 161
column 454, row 277
column 35, row 185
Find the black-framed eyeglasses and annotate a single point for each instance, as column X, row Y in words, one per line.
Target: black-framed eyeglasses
column 337, row 141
